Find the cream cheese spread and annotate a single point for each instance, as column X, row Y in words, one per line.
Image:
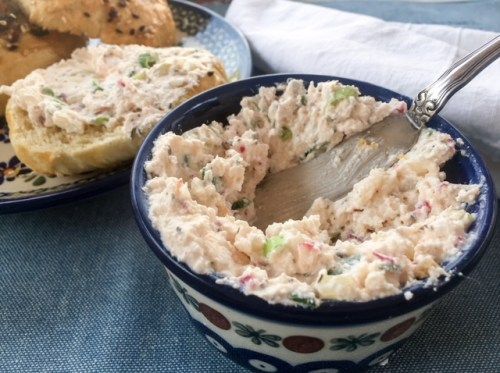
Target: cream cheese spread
column 395, row 228
column 107, row 85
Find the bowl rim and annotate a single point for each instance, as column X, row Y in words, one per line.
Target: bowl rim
column 331, row 313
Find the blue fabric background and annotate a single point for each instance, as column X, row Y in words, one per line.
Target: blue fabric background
column 81, row 291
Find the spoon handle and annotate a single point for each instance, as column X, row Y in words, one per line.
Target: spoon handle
column 432, row 99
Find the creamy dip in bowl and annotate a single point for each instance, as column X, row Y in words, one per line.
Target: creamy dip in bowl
column 319, row 334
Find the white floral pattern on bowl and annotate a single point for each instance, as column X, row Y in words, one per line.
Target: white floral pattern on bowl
column 268, row 346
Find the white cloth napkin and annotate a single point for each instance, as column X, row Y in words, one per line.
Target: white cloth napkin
column 287, row 36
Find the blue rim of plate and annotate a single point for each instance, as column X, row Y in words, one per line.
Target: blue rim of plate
column 246, row 54
column 110, row 180
column 328, row 313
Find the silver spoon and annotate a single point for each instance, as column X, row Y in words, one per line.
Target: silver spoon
column 289, row 194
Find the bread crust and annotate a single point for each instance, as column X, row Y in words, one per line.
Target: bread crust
column 52, row 151
column 24, row 48
column 34, row 52
column 60, row 157
column 145, row 22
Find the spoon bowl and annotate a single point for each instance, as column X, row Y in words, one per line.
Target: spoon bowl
column 290, row 193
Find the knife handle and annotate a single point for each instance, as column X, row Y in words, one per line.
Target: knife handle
column 433, row 98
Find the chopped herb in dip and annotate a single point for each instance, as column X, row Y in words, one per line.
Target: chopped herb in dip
column 285, row 134
column 96, row 87
column 334, row 271
column 48, row 91
column 146, row 60
column 101, row 121
column 343, row 93
column 305, row 302
column 240, row 204
column 273, row 244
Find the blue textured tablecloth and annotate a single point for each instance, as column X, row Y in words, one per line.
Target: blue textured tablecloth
column 81, row 291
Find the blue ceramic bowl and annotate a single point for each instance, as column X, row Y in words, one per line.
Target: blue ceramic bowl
column 337, row 336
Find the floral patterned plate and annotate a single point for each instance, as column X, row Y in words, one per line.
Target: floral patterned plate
column 22, row 189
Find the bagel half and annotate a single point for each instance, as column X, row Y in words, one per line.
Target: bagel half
column 145, row 22
column 55, row 150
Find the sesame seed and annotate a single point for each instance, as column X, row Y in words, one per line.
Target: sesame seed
column 112, row 15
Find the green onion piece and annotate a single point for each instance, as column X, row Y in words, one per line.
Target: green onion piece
column 146, row 60
column 48, row 91
column 141, row 75
column 101, row 120
column 334, row 271
column 218, row 183
column 322, row 148
column 342, row 94
column 240, row 204
column 273, row 244
column 96, row 87
column 303, row 100
column 315, row 150
column 286, row 134
column 309, row 151
column 256, row 123
column 306, row 302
